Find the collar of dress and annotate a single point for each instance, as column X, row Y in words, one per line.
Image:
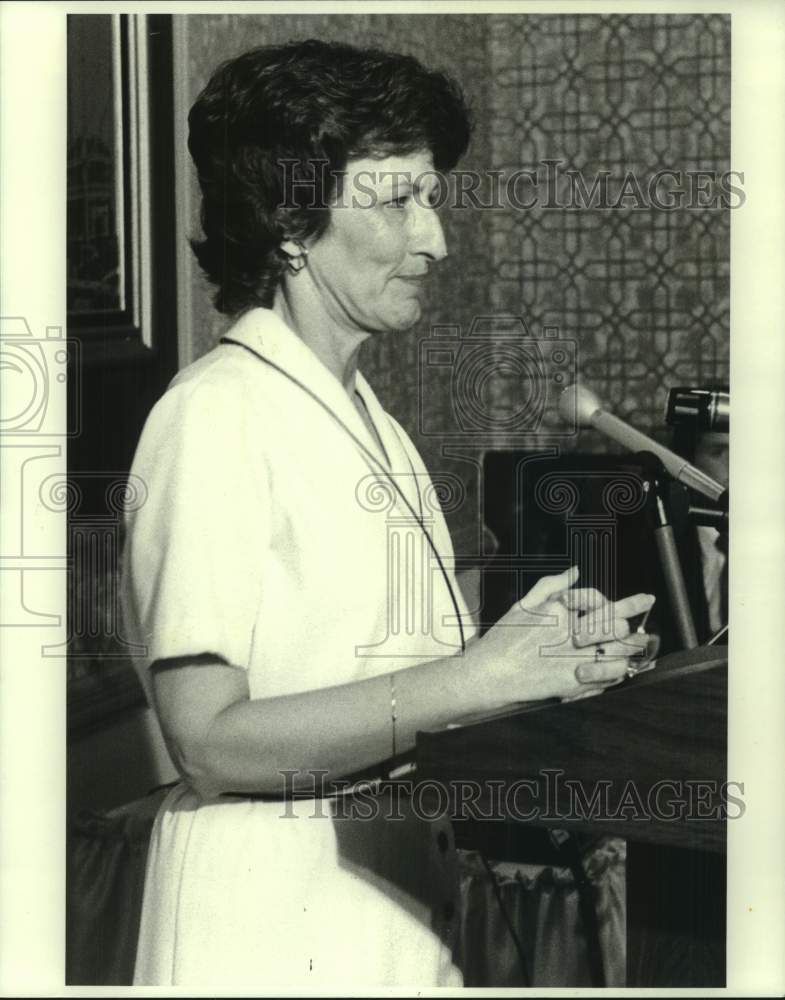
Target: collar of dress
column 265, row 333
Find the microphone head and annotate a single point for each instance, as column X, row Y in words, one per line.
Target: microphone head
column 577, row 403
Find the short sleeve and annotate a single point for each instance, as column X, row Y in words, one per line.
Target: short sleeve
column 195, row 549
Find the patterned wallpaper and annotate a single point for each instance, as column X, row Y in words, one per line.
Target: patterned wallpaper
column 636, row 295
column 642, row 290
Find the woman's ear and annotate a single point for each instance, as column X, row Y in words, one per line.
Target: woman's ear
column 297, row 254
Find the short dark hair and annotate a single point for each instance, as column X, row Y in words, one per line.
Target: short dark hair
column 308, row 103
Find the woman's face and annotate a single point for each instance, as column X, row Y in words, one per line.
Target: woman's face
column 370, row 265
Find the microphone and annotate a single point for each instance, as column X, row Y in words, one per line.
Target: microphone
column 707, row 409
column 578, row 401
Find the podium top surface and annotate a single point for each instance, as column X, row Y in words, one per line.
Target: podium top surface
column 646, row 760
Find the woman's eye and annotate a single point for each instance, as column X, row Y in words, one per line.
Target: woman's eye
column 398, row 202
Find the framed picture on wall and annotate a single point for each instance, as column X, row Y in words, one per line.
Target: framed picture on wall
column 121, row 299
column 108, row 189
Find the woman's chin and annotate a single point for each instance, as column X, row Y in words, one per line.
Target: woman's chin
column 405, row 316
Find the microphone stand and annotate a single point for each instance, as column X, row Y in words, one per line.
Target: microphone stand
column 714, row 517
column 655, row 486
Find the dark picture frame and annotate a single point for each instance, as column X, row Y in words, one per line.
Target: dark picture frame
column 110, row 228
column 127, row 339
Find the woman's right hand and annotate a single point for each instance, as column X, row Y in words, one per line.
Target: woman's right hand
column 560, row 642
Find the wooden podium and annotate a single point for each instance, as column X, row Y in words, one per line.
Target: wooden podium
column 647, row 761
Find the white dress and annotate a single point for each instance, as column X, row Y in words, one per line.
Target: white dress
column 272, row 536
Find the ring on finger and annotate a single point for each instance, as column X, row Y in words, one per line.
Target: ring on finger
column 599, row 652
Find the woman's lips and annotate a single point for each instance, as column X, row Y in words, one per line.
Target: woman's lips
column 415, row 284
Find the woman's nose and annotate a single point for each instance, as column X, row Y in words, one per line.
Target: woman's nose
column 428, row 235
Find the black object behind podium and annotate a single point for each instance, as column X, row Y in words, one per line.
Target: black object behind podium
column 647, row 761
column 548, row 511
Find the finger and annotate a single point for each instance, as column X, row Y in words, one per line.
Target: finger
column 634, row 644
column 584, row 599
column 652, row 648
column 610, row 621
column 603, row 672
column 599, row 627
column 549, row 586
column 627, row 607
column 591, row 599
column 590, row 690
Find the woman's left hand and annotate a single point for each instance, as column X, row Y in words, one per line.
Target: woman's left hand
column 602, row 627
column 597, row 625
